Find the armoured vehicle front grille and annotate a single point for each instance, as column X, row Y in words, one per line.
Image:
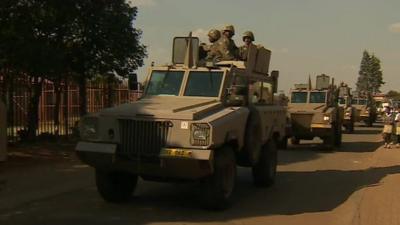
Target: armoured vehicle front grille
column 301, row 121
column 142, row 138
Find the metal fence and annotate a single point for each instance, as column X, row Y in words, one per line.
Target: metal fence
column 17, row 98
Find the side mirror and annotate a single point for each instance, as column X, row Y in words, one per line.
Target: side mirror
column 275, row 76
column 133, row 84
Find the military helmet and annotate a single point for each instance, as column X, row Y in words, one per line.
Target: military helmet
column 248, row 34
column 230, row 28
column 215, row 34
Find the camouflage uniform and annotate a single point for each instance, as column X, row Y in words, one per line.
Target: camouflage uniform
column 213, row 50
column 228, row 48
column 244, row 49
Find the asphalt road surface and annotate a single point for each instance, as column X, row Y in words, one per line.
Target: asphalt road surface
column 356, row 184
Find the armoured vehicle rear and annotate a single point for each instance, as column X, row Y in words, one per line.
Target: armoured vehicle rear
column 349, row 111
column 195, row 121
column 314, row 112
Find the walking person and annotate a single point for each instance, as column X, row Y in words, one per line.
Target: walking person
column 388, row 121
column 397, row 126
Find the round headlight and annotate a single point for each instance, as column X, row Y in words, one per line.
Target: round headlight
column 200, row 134
column 326, row 118
column 89, row 128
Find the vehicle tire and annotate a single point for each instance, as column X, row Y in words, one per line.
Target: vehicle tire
column 338, row 136
column 283, row 143
column 115, row 187
column 264, row 172
column 330, row 141
column 294, row 140
column 218, row 188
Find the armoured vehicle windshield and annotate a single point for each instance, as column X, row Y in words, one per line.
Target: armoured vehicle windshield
column 317, row 97
column 359, row 102
column 342, row 101
column 299, row 97
column 165, row 83
column 205, row 84
column 180, row 47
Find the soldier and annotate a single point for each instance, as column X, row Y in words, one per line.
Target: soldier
column 397, row 126
column 228, row 46
column 213, row 50
column 248, row 38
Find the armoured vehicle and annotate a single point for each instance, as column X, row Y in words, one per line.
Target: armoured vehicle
column 196, row 121
column 314, row 112
column 365, row 107
column 345, row 102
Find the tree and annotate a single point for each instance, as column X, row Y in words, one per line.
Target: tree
column 59, row 41
column 393, row 95
column 105, row 41
column 370, row 75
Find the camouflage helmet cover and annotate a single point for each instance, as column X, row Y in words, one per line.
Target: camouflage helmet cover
column 215, row 34
column 230, row 28
column 248, row 34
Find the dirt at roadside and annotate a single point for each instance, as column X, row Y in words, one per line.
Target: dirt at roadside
column 26, row 155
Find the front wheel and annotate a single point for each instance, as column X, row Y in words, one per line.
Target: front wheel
column 115, row 187
column 295, row 141
column 218, row 188
column 264, row 172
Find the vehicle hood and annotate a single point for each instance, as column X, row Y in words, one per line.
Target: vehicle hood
column 157, row 107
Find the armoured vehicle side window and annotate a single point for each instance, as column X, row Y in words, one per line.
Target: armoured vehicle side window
column 267, row 93
column 165, row 83
column 317, row 97
column 205, row 84
column 299, row 97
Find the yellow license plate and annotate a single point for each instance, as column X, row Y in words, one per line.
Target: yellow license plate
column 178, row 153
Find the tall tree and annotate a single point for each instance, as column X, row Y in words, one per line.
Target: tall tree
column 370, row 77
column 76, row 39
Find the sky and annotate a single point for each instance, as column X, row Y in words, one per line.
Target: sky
column 306, row 37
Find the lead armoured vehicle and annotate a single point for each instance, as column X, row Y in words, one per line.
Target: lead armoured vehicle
column 314, row 112
column 195, row 121
column 345, row 102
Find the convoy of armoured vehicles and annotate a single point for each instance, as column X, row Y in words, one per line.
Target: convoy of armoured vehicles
column 192, row 123
column 198, row 121
column 314, row 112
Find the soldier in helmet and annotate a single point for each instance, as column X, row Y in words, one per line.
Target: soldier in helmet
column 228, row 46
column 248, row 38
column 212, row 51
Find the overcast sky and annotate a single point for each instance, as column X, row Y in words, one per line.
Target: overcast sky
column 305, row 36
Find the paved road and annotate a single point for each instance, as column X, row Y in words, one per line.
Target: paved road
column 357, row 184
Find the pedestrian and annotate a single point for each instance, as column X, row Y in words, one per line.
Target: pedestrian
column 397, row 126
column 388, row 121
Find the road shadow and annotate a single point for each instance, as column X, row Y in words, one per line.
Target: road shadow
column 359, row 147
column 367, row 131
column 294, row 193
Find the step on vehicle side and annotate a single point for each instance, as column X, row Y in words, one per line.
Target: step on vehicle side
column 314, row 112
column 193, row 123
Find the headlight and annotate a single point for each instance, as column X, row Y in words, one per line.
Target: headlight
column 347, row 114
column 89, row 128
column 326, row 118
column 200, row 134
